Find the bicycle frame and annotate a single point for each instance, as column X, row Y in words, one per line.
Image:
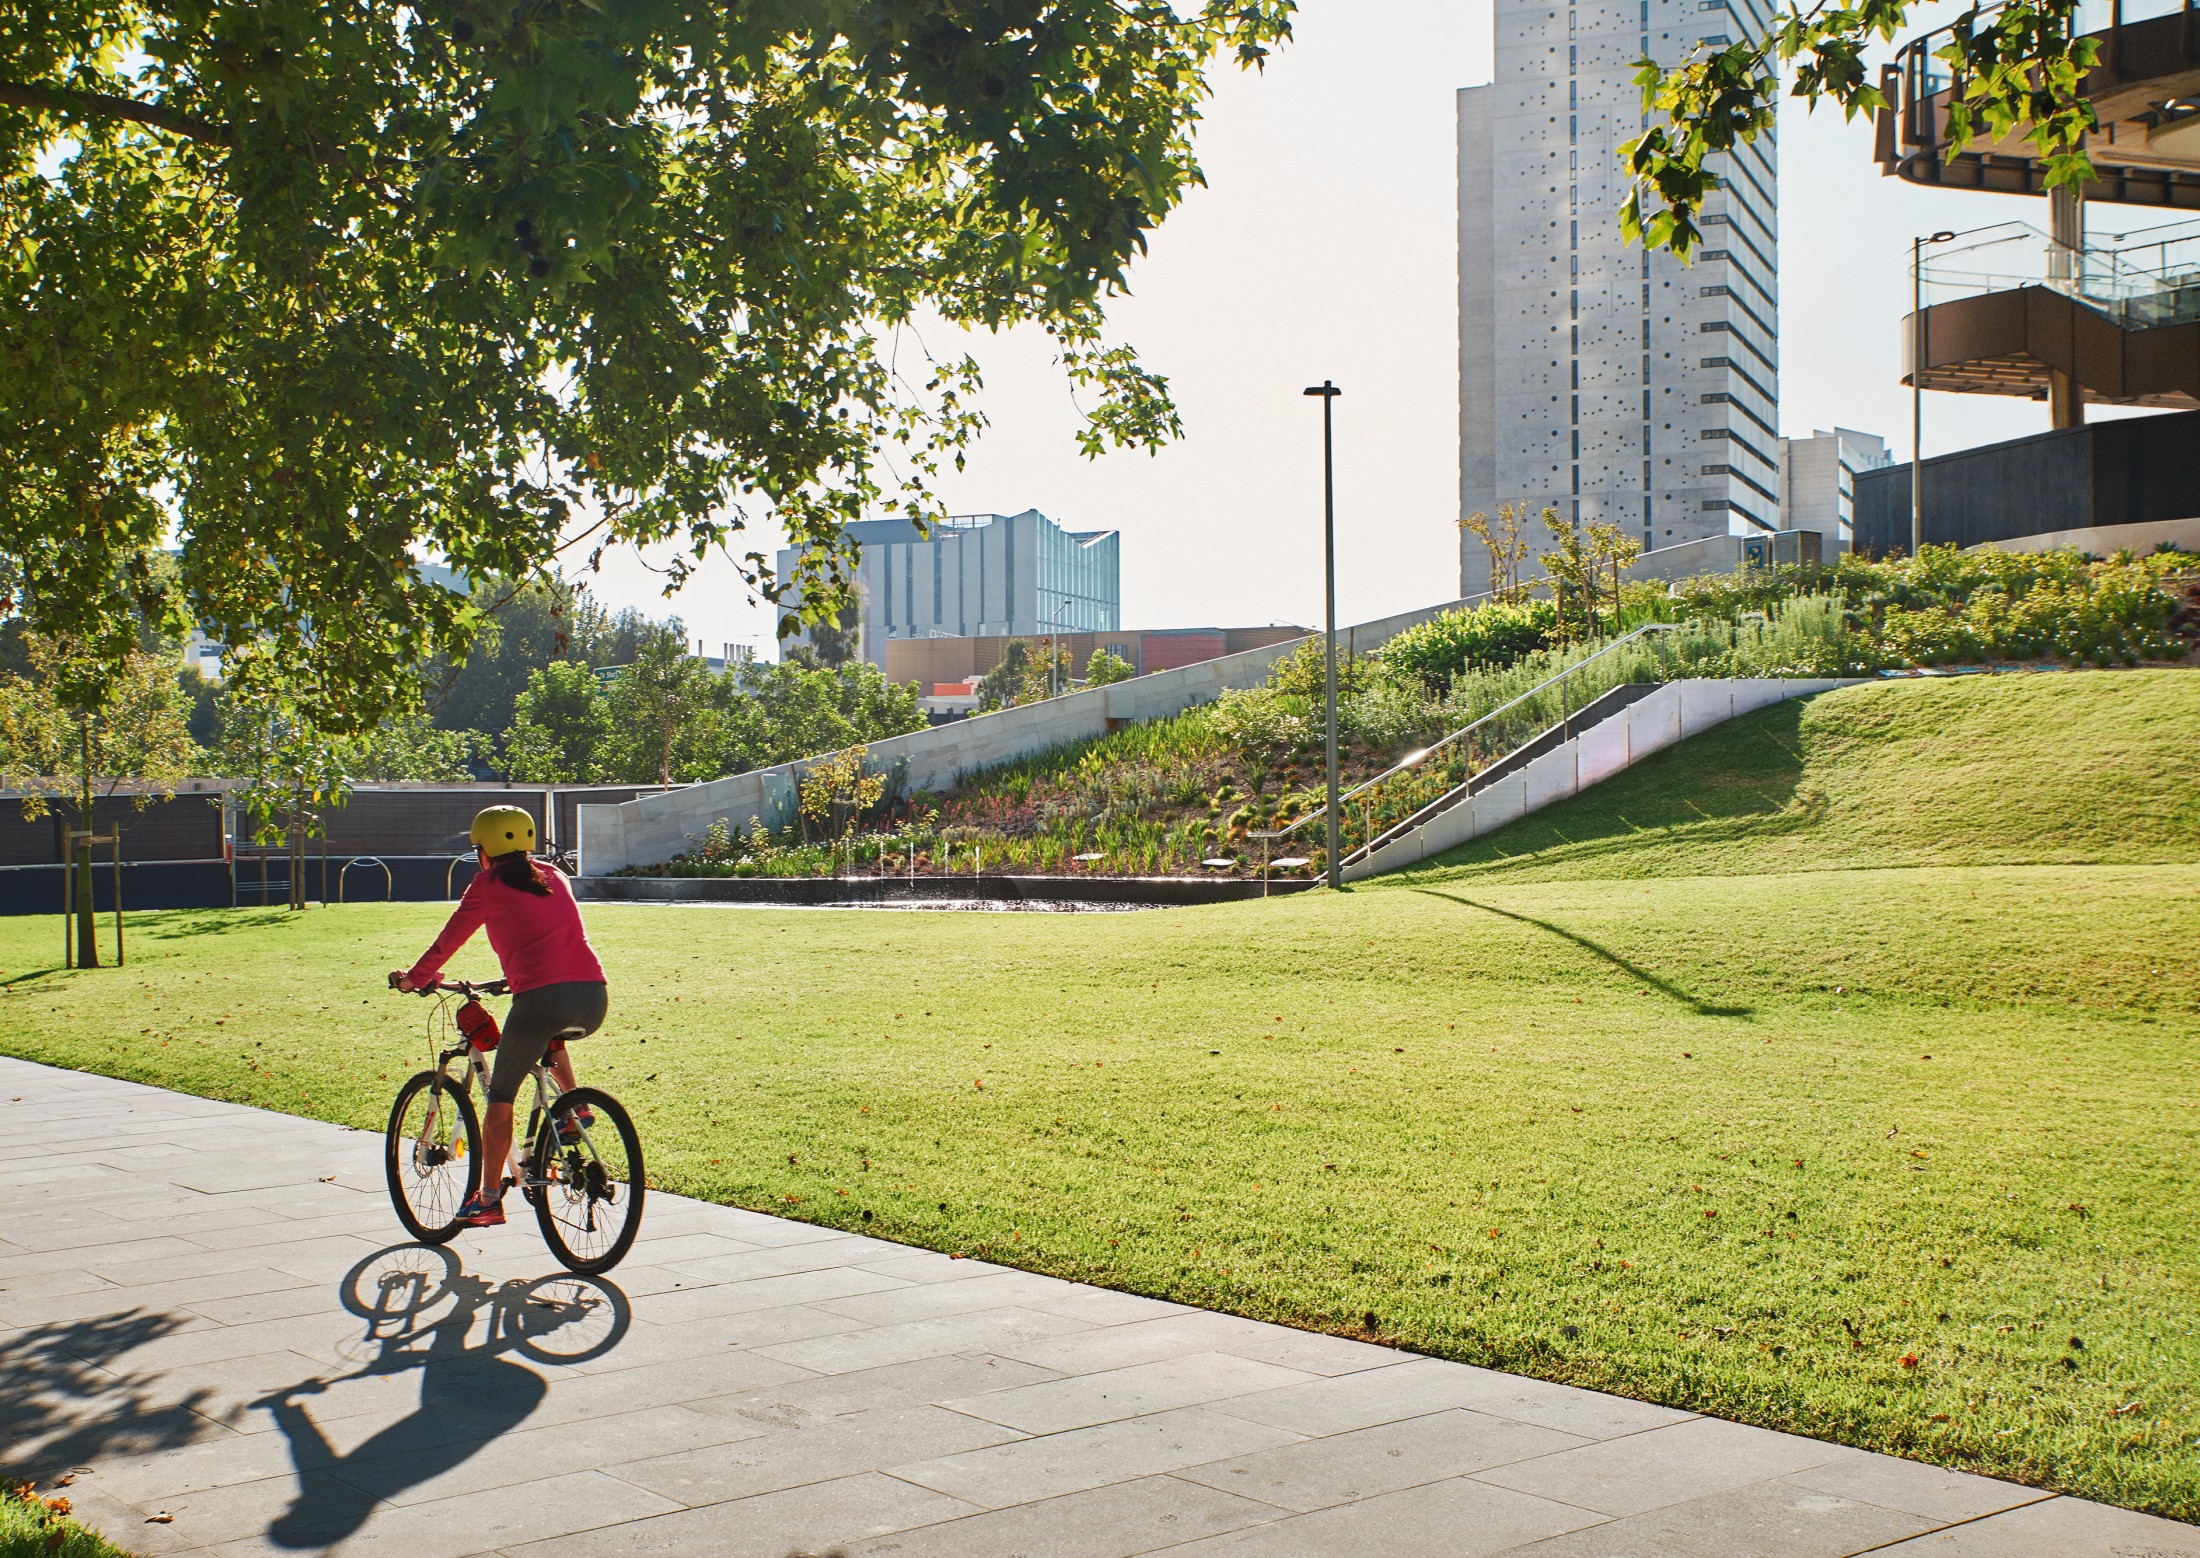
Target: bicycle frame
column 477, row 1069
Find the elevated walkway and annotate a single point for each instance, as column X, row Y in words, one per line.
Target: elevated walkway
column 2008, row 312
column 2145, row 89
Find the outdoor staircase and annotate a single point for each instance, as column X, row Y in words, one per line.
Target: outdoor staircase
column 1569, row 728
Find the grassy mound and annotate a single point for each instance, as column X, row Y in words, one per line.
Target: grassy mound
column 2084, row 768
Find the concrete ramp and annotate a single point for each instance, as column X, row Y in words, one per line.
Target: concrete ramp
column 1577, row 756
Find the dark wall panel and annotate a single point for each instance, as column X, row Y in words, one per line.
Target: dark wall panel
column 2126, row 472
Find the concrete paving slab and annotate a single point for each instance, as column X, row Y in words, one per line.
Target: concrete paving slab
column 2057, row 1528
column 821, row 1518
column 1668, row 1465
column 1125, row 1517
column 1762, row 1520
column 1086, row 1399
column 1459, row 1518
column 1343, row 1468
column 269, row 1363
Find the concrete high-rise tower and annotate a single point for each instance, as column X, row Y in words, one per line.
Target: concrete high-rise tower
column 1619, row 385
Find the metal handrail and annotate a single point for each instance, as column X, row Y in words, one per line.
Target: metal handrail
column 389, row 883
column 1414, row 759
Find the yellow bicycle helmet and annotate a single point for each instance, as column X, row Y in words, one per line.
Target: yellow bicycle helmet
column 500, row 830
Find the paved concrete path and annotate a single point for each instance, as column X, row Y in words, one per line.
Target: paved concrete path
column 207, row 1311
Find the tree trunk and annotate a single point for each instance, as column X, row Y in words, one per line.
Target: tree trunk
column 87, row 925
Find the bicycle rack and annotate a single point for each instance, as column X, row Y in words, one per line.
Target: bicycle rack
column 451, row 870
column 389, row 885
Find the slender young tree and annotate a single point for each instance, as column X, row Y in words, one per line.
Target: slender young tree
column 63, row 752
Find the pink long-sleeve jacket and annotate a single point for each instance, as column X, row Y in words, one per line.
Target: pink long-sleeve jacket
column 538, row 940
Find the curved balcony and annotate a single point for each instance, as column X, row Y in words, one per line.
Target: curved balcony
column 2007, row 312
column 2145, row 90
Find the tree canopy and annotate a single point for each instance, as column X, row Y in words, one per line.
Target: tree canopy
column 2014, row 65
column 331, row 290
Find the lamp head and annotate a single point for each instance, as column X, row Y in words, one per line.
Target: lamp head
column 1941, row 237
column 1325, row 390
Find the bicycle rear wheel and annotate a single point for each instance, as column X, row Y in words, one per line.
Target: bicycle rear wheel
column 430, row 1154
column 588, row 1163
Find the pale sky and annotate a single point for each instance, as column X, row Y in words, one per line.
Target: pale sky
column 1323, row 247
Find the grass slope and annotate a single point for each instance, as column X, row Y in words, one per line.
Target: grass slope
column 1902, row 1158
column 2092, row 766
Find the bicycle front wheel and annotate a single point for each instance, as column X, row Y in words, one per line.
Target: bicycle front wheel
column 587, row 1163
column 429, row 1155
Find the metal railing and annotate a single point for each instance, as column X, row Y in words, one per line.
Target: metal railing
column 1925, row 77
column 2152, row 281
column 1463, row 738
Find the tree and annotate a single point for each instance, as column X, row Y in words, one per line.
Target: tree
column 410, row 747
column 2021, row 70
column 1027, row 673
column 335, row 290
column 1104, row 668
column 657, row 705
column 135, row 731
column 1612, row 550
column 836, row 791
column 771, row 714
column 293, row 770
column 560, row 726
column 838, row 639
column 1505, row 538
column 1577, row 567
column 524, row 627
column 1570, row 570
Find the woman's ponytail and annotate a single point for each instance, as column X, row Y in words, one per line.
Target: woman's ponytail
column 518, row 869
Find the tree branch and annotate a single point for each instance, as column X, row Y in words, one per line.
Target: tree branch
column 105, row 105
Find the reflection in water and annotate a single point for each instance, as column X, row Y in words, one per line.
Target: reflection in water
column 422, row 1312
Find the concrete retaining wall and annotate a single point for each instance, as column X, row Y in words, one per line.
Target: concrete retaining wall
column 1671, row 714
column 654, row 828
column 888, row 891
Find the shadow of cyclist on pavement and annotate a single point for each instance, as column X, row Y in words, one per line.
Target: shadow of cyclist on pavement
column 459, row 1331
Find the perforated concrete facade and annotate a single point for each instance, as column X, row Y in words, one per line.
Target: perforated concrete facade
column 1620, row 386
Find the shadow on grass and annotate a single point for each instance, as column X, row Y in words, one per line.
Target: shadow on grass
column 1664, row 987
column 35, row 973
column 176, row 924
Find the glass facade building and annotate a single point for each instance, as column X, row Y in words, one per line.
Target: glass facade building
column 981, row 576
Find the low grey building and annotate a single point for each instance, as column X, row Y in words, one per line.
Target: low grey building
column 1818, row 482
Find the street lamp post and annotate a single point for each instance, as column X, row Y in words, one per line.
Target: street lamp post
column 1917, row 386
column 1328, row 393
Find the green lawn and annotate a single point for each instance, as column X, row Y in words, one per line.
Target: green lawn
column 2089, row 766
column 1901, row 1157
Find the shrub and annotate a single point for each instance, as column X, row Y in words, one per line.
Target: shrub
column 1433, row 652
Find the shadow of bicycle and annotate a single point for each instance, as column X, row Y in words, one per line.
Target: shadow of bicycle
column 464, row 1335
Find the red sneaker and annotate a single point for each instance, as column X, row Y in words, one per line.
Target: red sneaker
column 478, row 1213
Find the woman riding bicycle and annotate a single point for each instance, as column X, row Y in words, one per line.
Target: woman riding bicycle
column 557, row 983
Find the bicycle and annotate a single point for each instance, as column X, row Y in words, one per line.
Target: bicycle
column 578, row 1163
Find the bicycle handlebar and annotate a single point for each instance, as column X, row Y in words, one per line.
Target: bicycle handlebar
column 461, row 987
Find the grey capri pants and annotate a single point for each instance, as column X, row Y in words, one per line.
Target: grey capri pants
column 538, row 1019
